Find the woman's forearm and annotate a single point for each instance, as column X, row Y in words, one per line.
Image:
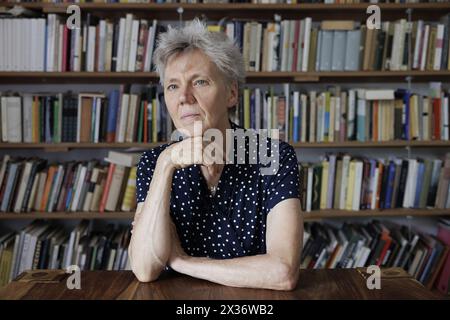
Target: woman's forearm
column 260, row 271
column 150, row 243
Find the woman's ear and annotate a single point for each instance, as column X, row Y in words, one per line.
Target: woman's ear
column 232, row 95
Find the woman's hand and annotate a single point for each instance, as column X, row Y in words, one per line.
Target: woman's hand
column 184, row 153
column 177, row 254
column 193, row 150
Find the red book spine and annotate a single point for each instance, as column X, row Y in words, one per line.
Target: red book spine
column 107, row 187
column 436, row 119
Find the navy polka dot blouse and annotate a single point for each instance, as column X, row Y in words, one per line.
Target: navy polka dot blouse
column 232, row 222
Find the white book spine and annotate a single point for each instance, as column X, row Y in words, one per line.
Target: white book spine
column 91, row 48
column 307, row 41
column 309, row 189
column 417, row 44
column 150, row 46
column 424, row 47
column 27, row 118
column 4, row 44
column 258, row 47
column 127, row 41
column 438, row 44
column 120, row 45
column 79, row 186
column 101, row 46
column 133, row 46
column 50, row 41
column 123, row 117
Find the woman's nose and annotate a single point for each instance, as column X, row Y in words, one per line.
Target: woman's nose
column 186, row 95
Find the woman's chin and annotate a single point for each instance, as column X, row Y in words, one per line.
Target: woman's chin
column 191, row 126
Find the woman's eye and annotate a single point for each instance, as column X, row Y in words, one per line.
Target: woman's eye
column 170, row 87
column 200, row 82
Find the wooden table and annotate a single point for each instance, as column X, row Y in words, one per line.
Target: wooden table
column 313, row 284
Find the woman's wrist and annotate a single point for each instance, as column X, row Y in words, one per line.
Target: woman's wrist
column 164, row 163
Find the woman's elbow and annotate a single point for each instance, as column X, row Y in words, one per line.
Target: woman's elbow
column 146, row 275
column 288, row 276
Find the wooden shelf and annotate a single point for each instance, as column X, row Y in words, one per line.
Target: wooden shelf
column 252, row 77
column 245, row 10
column 57, row 147
column 321, row 214
column 374, row 144
column 66, row 215
column 65, row 146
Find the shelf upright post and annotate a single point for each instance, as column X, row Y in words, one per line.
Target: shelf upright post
column 180, row 11
column 409, row 78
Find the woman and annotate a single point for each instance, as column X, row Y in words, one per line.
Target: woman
column 225, row 223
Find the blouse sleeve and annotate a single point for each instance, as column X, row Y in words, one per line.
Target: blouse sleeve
column 284, row 184
column 144, row 173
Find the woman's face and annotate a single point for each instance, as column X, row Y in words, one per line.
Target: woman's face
column 194, row 90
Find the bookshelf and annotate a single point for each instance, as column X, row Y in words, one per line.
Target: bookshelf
column 246, row 11
column 314, row 215
column 347, row 144
column 168, row 11
column 18, row 77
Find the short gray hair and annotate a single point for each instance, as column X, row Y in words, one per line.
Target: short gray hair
column 220, row 49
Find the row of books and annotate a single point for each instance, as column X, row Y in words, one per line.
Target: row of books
column 343, row 182
column 338, row 115
column 334, row 115
column 120, row 116
column 382, row 243
column 39, row 44
column 42, row 245
column 342, row 45
column 45, row 245
column 32, row 184
column 286, row 45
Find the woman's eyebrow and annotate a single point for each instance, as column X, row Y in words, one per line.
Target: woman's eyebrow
column 195, row 75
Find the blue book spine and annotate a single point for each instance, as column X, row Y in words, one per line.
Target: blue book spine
column 427, row 266
column 296, row 125
column 420, row 174
column 390, row 185
column 113, row 104
column 238, row 28
column 326, row 127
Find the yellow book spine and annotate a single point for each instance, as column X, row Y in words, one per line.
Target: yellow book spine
column 246, row 108
column 351, row 186
column 324, row 185
column 214, row 28
column 129, row 199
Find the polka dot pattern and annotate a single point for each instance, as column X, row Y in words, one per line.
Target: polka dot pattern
column 232, row 222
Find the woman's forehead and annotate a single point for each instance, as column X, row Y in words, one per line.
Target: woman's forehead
column 192, row 62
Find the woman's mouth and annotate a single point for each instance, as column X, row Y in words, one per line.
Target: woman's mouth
column 189, row 116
